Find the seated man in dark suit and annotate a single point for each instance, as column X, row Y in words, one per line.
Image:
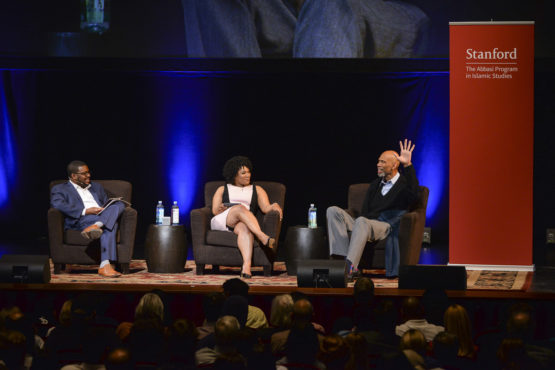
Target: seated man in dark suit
column 387, row 199
column 81, row 200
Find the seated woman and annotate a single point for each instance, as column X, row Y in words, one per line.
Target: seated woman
column 234, row 206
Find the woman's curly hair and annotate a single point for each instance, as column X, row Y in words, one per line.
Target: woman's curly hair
column 233, row 165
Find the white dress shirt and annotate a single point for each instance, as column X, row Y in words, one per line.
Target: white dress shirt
column 86, row 197
column 387, row 185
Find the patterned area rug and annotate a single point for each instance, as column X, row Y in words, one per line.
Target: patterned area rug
column 80, row 274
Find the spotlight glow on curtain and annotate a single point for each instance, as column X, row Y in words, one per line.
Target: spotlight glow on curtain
column 183, row 116
column 7, row 148
column 182, row 160
column 430, row 117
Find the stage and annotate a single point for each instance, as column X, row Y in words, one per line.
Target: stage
column 487, row 297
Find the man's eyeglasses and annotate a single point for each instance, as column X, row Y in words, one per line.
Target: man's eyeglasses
column 83, row 173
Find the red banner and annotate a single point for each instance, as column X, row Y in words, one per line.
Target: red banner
column 491, row 143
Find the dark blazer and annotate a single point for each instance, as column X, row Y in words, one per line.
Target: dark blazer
column 65, row 198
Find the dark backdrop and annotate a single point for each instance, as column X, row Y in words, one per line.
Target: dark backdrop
column 169, row 132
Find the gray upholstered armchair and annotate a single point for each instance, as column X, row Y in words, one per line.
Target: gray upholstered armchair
column 68, row 246
column 219, row 248
column 411, row 229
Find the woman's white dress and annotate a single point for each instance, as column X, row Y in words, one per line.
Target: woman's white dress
column 237, row 194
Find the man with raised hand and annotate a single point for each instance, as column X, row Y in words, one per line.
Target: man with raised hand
column 387, row 199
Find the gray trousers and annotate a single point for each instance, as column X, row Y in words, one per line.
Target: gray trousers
column 363, row 230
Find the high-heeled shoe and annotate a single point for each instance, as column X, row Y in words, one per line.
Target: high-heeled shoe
column 271, row 243
column 245, row 276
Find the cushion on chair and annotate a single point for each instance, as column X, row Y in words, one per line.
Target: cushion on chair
column 222, row 238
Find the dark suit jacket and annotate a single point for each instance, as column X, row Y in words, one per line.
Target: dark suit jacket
column 65, row 198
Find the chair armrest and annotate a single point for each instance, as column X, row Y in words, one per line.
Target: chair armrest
column 410, row 238
column 200, row 224
column 55, row 228
column 127, row 229
column 271, row 225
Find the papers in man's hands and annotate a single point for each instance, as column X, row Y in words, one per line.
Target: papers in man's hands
column 112, row 201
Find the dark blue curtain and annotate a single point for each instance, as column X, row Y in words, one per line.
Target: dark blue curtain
column 169, row 133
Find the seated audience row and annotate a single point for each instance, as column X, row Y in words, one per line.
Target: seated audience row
column 237, row 335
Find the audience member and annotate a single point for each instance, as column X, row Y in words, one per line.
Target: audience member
column 83, row 340
column 226, row 333
column 280, row 317
column 256, row 317
column 415, row 340
column 296, row 295
column 445, row 349
column 435, row 302
column 363, row 296
column 334, row 352
column 146, row 342
column 413, row 345
column 300, row 319
column 181, row 346
column 512, row 355
column 119, row 359
column 16, row 321
column 457, row 322
column 359, row 357
column 412, row 314
column 531, row 353
column 230, row 361
column 212, row 304
column 63, row 317
column 236, row 306
column 12, row 349
column 379, row 333
column 150, row 307
column 518, row 331
column 301, row 346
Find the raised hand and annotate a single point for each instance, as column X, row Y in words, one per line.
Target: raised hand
column 405, row 156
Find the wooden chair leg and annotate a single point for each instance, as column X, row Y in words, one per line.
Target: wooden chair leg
column 124, row 268
column 267, row 270
column 200, row 269
column 215, row 269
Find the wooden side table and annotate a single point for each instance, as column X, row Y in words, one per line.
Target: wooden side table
column 166, row 248
column 303, row 243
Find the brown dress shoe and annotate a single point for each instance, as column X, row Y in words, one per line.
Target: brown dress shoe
column 108, row 271
column 92, row 232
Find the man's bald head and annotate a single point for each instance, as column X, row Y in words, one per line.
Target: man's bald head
column 302, row 312
column 388, row 164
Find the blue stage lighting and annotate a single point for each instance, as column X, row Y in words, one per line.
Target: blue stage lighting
column 432, row 139
column 182, row 163
column 7, row 150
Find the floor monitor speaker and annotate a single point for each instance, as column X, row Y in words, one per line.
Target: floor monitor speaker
column 432, row 277
column 321, row 274
column 22, row 268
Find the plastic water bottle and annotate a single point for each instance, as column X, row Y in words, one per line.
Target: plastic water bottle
column 175, row 213
column 95, row 16
column 312, row 217
column 159, row 213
